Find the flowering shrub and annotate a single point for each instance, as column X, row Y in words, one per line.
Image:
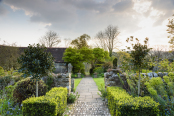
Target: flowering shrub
column 7, row 108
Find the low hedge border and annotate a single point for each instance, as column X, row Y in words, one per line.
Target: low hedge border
column 122, row 104
column 52, row 104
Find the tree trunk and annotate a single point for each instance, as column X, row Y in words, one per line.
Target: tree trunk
column 139, row 83
column 36, row 88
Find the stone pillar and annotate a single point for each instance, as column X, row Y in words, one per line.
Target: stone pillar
column 69, row 75
column 79, row 75
column 95, row 75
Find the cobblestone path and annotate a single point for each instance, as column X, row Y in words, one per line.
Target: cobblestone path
column 89, row 103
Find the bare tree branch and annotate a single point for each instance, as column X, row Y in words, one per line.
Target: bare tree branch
column 108, row 39
column 51, row 39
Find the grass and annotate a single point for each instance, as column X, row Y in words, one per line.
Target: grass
column 76, row 82
column 99, row 81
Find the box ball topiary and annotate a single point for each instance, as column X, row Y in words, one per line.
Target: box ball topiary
column 26, row 88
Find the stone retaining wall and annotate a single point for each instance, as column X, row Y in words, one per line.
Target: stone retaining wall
column 112, row 79
column 61, row 80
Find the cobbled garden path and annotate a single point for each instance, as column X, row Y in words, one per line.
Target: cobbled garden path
column 89, row 102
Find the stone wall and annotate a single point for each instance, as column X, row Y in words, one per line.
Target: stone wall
column 112, row 79
column 61, row 80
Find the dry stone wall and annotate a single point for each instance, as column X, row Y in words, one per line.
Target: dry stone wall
column 61, row 80
column 112, row 79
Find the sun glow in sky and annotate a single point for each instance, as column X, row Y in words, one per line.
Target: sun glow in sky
column 24, row 22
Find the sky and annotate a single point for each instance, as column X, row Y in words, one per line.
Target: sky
column 26, row 21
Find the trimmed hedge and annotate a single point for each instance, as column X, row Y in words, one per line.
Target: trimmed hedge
column 122, row 104
column 52, row 104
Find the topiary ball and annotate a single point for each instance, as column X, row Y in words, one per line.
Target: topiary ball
column 26, row 88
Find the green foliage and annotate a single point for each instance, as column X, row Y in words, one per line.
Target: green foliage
column 138, row 55
column 132, row 80
column 73, row 56
column 8, row 108
column 100, row 56
column 76, row 83
column 107, row 65
column 163, row 93
column 52, row 104
column 36, row 62
column 102, row 91
column 81, row 41
column 139, row 52
column 8, row 56
column 166, row 66
column 49, row 82
column 72, row 98
column 26, row 88
column 99, row 70
column 5, row 80
column 1, row 71
column 121, row 103
column 144, row 70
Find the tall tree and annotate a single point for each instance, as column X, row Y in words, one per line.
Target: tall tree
column 138, row 54
column 100, row 57
column 51, row 39
column 36, row 62
column 77, row 57
column 81, row 41
column 108, row 39
column 170, row 30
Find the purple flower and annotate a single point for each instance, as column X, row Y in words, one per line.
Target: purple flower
column 9, row 103
column 13, row 109
column 11, row 113
column 8, row 112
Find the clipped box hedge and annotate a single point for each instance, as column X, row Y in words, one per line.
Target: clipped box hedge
column 122, row 104
column 52, row 104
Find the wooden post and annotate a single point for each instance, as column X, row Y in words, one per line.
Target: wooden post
column 36, row 88
column 69, row 83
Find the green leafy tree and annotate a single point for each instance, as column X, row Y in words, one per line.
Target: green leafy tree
column 170, row 30
column 100, row 57
column 138, row 55
column 36, row 62
column 81, row 41
column 73, row 56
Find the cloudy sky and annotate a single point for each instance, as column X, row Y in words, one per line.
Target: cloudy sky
column 25, row 21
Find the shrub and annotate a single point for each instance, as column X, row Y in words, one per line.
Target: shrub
column 5, row 80
column 52, row 104
column 26, row 88
column 103, row 92
column 1, row 71
column 49, row 82
column 162, row 92
column 99, row 70
column 72, row 98
column 107, row 65
column 122, row 104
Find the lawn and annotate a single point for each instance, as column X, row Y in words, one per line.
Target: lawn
column 99, row 81
column 76, row 82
